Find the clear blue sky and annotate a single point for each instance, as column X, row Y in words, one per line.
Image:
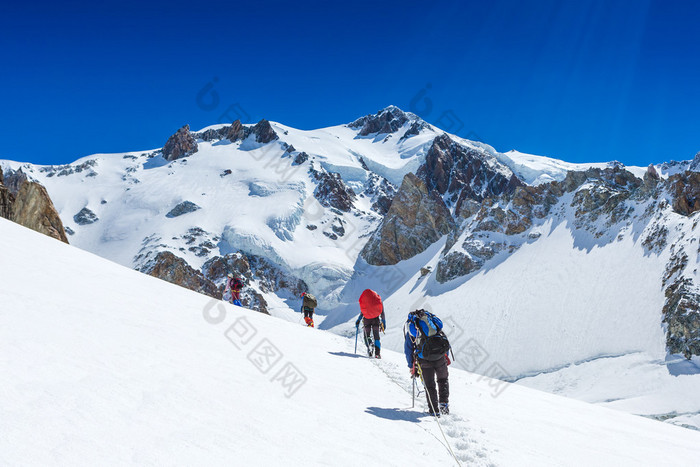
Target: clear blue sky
column 578, row 80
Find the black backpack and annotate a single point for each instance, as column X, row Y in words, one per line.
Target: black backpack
column 431, row 342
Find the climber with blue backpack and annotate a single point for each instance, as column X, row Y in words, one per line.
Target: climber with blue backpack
column 426, row 348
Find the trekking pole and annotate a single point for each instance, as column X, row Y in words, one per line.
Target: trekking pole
column 413, row 377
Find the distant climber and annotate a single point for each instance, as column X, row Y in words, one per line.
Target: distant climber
column 234, row 285
column 373, row 320
column 426, row 348
column 307, row 307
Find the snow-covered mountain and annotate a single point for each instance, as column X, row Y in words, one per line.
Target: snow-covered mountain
column 107, row 365
column 549, row 273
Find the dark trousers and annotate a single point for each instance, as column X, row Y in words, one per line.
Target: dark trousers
column 308, row 312
column 371, row 327
column 308, row 316
column 431, row 370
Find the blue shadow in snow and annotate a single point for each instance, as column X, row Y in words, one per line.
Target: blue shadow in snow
column 347, row 354
column 406, row 415
column 678, row 365
column 155, row 162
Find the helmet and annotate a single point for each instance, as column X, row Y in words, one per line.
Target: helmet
column 302, row 294
column 230, row 274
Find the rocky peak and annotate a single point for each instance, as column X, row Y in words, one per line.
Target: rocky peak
column 416, row 219
column 263, row 132
column 235, row 132
column 179, row 145
column 388, row 120
column 695, row 163
column 460, row 173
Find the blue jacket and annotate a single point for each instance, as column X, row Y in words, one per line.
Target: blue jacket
column 409, row 344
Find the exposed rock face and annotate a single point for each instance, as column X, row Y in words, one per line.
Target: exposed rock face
column 235, row 132
column 85, row 217
column 332, row 192
column 460, row 173
column 181, row 144
column 381, row 192
column 300, row 158
column 183, row 208
column 253, row 270
column 14, row 180
column 685, row 190
column 416, row 219
column 682, row 314
column 174, row 269
column 34, row 209
column 682, row 308
column 263, row 132
column 6, row 199
column 388, row 120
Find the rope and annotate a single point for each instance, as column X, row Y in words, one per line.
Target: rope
column 435, row 416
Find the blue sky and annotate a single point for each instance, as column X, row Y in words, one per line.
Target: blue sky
column 581, row 81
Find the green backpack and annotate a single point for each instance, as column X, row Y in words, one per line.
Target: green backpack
column 310, row 301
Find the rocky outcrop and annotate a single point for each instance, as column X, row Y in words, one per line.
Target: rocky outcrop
column 263, row 132
column 179, row 145
column 331, row 191
column 34, row 209
column 183, row 208
column 388, row 120
column 253, row 271
column 85, row 217
column 682, row 315
column 165, row 265
column 381, row 193
column 235, row 132
column 416, row 219
column 300, row 158
column 14, row 180
column 681, row 312
column 459, row 173
column 6, row 199
column 685, row 192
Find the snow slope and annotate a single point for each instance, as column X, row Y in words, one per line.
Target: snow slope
column 106, row 365
column 569, row 311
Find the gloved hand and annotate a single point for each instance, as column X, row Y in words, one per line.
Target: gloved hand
column 412, row 371
column 382, row 326
column 447, row 357
column 357, row 324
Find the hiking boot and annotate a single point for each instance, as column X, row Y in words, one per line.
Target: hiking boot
column 444, row 408
column 433, row 414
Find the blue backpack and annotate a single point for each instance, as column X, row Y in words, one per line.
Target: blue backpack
column 431, row 341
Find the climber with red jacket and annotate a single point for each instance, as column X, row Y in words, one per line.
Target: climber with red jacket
column 373, row 319
column 234, row 285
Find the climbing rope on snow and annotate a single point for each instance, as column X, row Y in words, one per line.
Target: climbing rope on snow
column 436, row 416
